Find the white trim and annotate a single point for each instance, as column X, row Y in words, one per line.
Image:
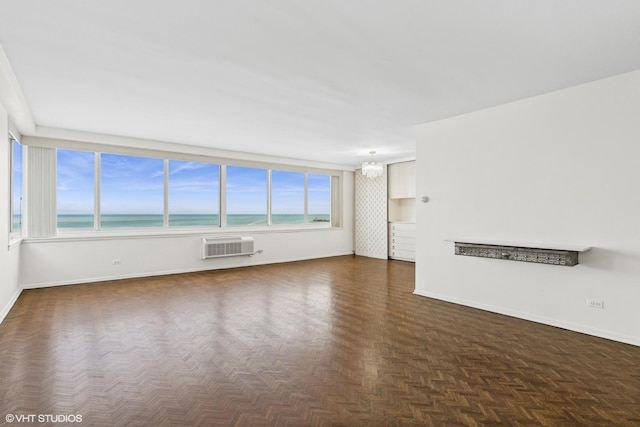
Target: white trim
column 13, row 242
column 533, row 245
column 13, row 130
column 13, row 99
column 399, row 160
column 167, row 272
column 601, row 333
column 7, row 308
column 64, row 138
column 92, row 235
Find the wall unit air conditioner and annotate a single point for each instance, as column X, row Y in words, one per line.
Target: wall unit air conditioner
column 216, row 247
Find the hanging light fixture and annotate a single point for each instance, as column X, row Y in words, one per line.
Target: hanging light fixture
column 372, row 169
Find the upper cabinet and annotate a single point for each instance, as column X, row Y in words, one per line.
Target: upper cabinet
column 402, row 180
column 402, row 191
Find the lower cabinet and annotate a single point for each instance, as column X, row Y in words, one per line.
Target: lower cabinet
column 402, row 241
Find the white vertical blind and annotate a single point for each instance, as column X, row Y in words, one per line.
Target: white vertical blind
column 41, row 192
column 165, row 215
column 306, row 198
column 223, row 195
column 336, row 202
column 269, row 187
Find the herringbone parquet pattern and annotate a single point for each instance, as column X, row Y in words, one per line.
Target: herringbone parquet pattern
column 331, row 342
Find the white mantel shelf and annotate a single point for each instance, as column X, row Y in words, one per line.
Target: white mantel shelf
column 537, row 245
column 541, row 253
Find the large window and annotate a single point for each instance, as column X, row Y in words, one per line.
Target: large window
column 75, row 188
column 246, row 196
column 194, row 193
column 105, row 191
column 16, row 186
column 131, row 191
column 287, row 197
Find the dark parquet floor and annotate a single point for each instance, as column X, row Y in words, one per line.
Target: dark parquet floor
column 330, row 342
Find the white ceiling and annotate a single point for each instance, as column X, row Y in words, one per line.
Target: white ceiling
column 324, row 80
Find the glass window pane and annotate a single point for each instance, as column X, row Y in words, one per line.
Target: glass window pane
column 75, row 188
column 16, row 186
column 131, row 191
column 246, row 196
column 287, row 197
column 319, row 198
column 193, row 193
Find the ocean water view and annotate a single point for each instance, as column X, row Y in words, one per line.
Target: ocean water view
column 184, row 220
column 17, row 222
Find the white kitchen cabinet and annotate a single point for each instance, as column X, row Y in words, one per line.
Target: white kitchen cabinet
column 402, row 180
column 402, row 241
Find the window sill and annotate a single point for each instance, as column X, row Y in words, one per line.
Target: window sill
column 15, row 242
column 141, row 233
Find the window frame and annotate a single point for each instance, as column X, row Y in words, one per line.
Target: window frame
column 166, row 228
column 13, row 233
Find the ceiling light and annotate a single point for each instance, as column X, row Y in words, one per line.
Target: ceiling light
column 372, row 169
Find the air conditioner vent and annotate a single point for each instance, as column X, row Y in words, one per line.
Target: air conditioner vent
column 216, row 247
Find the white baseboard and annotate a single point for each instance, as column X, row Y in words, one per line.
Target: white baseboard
column 163, row 272
column 10, row 303
column 610, row 335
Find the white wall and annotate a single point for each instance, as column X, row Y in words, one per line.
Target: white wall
column 9, row 255
column 562, row 168
column 60, row 261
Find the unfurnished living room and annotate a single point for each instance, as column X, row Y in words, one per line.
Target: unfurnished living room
column 320, row 213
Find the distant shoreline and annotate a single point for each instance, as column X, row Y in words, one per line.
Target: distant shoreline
column 182, row 220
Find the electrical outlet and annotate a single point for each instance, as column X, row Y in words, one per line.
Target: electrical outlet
column 116, row 262
column 594, row 303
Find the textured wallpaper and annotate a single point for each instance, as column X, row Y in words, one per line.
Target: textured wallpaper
column 371, row 216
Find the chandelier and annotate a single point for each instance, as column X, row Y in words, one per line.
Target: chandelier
column 372, row 169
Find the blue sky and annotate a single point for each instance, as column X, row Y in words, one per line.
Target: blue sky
column 16, row 191
column 319, row 194
column 287, row 192
column 135, row 185
column 75, row 182
column 193, row 187
column 131, row 185
column 246, row 190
